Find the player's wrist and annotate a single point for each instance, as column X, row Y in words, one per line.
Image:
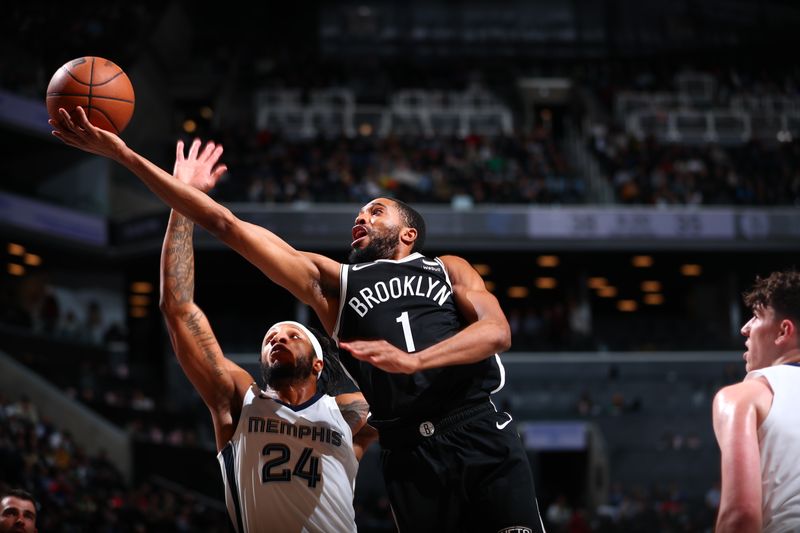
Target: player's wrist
column 417, row 362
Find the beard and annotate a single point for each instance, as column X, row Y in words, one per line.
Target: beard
column 379, row 247
column 281, row 374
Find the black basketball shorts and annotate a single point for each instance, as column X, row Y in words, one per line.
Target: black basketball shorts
column 465, row 472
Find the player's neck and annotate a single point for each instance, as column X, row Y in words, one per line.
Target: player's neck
column 789, row 357
column 297, row 392
column 400, row 253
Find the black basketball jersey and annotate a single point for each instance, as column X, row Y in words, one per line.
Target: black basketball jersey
column 409, row 303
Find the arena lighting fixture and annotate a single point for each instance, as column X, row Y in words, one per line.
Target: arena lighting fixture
column 138, row 312
column 518, row 291
column 626, row 306
column 189, row 126
column 482, row 269
column 607, row 292
column 691, row 270
column 365, row 129
column 651, row 286
column 141, row 287
column 546, row 283
column 206, row 112
column 139, row 299
column 597, row 283
column 32, row 260
column 547, row 261
column 654, row 298
column 16, row 249
column 642, row 261
column 15, row 269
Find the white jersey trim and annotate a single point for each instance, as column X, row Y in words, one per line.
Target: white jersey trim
column 342, row 296
column 502, row 370
column 444, row 269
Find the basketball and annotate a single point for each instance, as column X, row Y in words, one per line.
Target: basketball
column 96, row 84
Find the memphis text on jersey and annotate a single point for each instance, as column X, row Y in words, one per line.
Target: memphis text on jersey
column 258, row 424
column 381, row 291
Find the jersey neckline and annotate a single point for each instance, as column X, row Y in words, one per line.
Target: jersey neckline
column 411, row 257
column 298, row 407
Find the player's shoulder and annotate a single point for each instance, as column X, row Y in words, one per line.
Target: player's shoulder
column 754, row 388
column 455, row 262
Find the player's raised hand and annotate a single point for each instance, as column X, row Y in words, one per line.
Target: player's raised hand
column 199, row 168
column 77, row 131
column 383, row 355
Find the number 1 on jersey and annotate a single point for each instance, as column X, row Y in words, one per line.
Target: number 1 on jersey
column 404, row 320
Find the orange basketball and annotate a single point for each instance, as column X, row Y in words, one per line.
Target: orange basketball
column 99, row 86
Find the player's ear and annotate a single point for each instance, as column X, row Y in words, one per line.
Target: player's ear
column 788, row 331
column 317, row 366
column 408, row 236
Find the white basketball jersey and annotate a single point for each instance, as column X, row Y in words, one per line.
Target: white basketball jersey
column 779, row 440
column 289, row 468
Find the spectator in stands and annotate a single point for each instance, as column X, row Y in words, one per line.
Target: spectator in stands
column 756, row 420
column 17, row 512
column 558, row 514
column 93, row 326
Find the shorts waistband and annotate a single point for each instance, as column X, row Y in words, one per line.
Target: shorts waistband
column 406, row 435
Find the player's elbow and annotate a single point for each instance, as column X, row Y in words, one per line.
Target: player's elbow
column 501, row 337
column 739, row 519
column 171, row 307
column 166, row 304
column 221, row 223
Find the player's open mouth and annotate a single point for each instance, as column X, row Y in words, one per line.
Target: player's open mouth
column 359, row 233
column 278, row 348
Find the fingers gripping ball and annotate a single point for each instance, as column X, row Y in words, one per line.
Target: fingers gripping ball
column 96, row 84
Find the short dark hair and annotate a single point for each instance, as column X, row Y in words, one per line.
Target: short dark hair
column 780, row 290
column 19, row 494
column 412, row 219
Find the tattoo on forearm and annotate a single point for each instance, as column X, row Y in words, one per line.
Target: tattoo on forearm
column 205, row 341
column 354, row 413
column 179, row 260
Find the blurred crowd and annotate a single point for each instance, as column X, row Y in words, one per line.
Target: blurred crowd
column 31, row 303
column 645, row 171
column 78, row 492
column 666, row 509
column 523, row 169
column 761, row 170
column 39, row 37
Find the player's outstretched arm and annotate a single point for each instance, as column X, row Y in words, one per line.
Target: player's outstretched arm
column 220, row 382
column 488, row 331
column 311, row 278
column 736, row 427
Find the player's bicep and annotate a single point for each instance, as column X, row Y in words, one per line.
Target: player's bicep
column 472, row 299
column 200, row 356
column 736, row 429
column 354, row 408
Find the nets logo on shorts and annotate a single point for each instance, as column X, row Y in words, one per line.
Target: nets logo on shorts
column 516, row 529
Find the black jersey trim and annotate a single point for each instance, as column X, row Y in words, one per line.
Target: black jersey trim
column 233, row 487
